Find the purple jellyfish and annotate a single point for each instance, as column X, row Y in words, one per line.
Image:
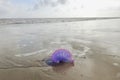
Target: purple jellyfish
column 60, row 56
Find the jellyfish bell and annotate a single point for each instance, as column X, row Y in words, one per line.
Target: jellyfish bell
column 60, row 56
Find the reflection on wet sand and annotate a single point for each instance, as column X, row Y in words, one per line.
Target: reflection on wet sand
column 63, row 67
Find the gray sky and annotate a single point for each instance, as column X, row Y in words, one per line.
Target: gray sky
column 59, row 8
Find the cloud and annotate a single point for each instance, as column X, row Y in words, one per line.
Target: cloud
column 62, row 1
column 49, row 3
column 59, row 8
column 4, row 8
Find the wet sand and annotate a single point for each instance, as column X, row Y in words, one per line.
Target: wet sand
column 93, row 67
column 93, row 44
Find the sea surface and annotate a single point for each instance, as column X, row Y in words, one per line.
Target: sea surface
column 94, row 44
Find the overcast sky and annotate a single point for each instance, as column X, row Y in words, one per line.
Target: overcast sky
column 59, row 8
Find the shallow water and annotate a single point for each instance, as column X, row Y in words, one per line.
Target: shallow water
column 94, row 44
